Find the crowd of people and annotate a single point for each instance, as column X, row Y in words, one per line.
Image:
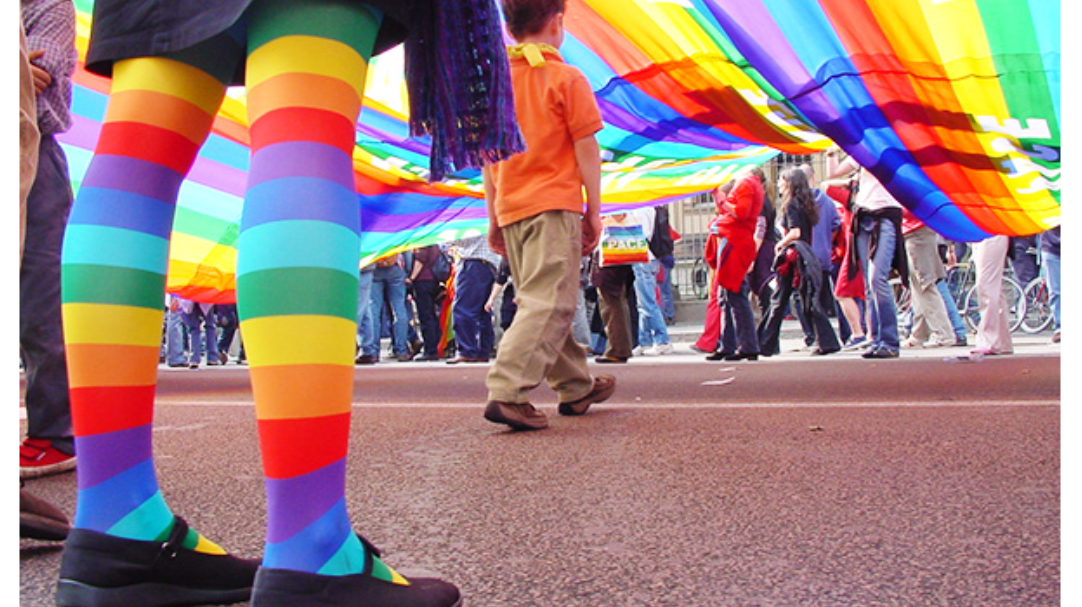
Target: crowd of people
column 411, row 310
column 625, row 310
column 620, row 310
column 831, row 251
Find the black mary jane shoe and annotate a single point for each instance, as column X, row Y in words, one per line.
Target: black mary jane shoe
column 742, row 356
column 99, row 570
column 287, row 588
column 880, row 352
column 719, row 355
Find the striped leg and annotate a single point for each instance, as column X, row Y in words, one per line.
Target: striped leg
column 113, row 273
column 297, row 271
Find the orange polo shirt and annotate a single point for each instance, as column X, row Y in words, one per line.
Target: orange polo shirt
column 555, row 107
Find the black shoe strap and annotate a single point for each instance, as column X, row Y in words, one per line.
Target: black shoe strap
column 172, row 545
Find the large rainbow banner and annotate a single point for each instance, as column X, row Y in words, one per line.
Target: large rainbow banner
column 953, row 104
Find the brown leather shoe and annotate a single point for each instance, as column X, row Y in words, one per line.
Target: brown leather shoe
column 520, row 416
column 40, row 520
column 604, row 386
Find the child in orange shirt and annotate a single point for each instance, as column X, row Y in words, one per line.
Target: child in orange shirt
column 536, row 221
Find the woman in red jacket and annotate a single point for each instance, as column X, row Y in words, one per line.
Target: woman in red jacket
column 731, row 251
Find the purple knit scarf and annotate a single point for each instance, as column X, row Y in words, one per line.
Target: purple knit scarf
column 460, row 86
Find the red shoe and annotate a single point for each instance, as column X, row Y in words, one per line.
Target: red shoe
column 38, row 457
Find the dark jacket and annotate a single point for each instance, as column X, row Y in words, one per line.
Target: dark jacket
column 805, row 272
column 900, row 262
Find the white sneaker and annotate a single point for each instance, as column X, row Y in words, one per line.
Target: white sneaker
column 663, row 349
column 641, row 351
column 911, row 342
column 938, row 342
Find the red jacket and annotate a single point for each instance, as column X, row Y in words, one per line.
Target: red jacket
column 738, row 229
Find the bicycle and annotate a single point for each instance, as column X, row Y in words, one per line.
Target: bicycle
column 903, row 304
column 1016, row 305
column 962, row 285
column 1038, row 310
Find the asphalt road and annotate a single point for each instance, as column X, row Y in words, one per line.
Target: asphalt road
column 793, row 481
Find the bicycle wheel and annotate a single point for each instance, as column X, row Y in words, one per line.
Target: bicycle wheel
column 959, row 281
column 1016, row 302
column 971, row 310
column 1038, row 316
column 1016, row 306
column 700, row 279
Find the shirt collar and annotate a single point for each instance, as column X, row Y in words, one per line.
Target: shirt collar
column 533, row 52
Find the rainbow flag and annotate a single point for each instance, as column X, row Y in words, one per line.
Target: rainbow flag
column 952, row 104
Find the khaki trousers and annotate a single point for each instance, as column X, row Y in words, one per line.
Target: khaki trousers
column 544, row 253
column 929, row 310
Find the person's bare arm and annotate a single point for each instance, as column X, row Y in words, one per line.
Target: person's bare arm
column 836, row 168
column 588, row 156
column 495, row 233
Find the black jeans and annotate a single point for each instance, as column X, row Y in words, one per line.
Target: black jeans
column 424, row 296
column 770, row 327
column 739, row 326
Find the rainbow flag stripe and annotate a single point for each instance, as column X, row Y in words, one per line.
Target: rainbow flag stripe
column 953, row 104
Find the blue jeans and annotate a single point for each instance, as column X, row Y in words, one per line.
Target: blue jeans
column 366, row 330
column 1050, row 268
column 41, row 337
column 668, row 308
column 880, row 297
column 390, row 284
column 474, row 334
column 174, row 338
column 957, row 324
column 198, row 323
column 651, row 324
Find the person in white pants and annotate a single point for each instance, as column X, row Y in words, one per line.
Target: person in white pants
column 994, row 331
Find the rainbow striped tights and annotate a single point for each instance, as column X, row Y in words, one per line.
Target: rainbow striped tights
column 296, row 273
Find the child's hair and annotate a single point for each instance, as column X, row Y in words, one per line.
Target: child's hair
column 528, row 17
